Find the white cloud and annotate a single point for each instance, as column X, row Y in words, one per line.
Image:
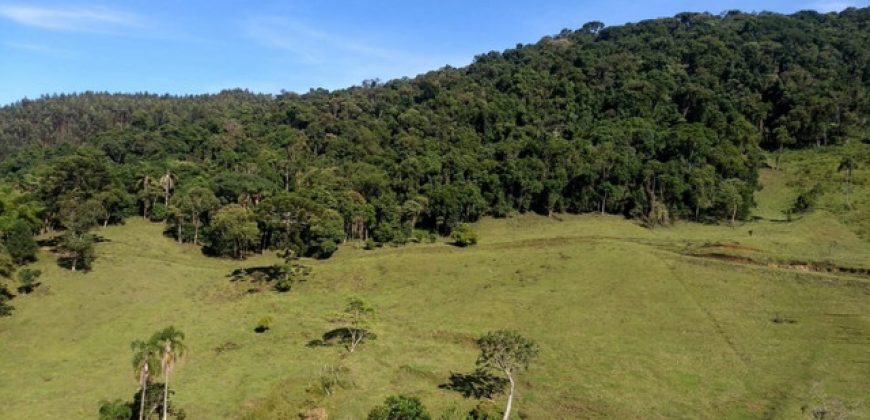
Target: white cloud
column 86, row 19
column 834, row 5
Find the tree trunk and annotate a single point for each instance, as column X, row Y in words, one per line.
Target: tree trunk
column 848, row 190
column 180, row 224
column 166, row 392
column 353, row 341
column 778, row 156
column 734, row 214
column 196, row 231
column 75, row 259
column 143, row 381
column 507, row 410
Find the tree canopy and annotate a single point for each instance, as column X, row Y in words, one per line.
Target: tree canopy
column 658, row 120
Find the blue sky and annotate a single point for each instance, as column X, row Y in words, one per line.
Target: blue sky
column 183, row 47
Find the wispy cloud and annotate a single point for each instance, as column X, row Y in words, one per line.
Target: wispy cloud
column 335, row 59
column 834, row 5
column 40, row 49
column 311, row 45
column 79, row 19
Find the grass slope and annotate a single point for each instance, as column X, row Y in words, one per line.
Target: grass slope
column 629, row 325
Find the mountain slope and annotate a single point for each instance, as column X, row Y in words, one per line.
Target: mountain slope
column 659, row 119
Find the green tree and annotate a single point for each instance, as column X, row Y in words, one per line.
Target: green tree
column 7, row 264
column 412, row 209
column 197, row 202
column 730, row 197
column 5, row 296
column 149, row 190
column 27, row 280
column 355, row 321
column 782, row 137
column 115, row 410
column 146, row 364
column 112, row 202
column 400, row 407
column 463, row 235
column 171, row 343
column 234, row 229
column 167, row 182
column 77, row 244
column 508, row 353
column 848, row 164
column 156, row 356
column 20, row 242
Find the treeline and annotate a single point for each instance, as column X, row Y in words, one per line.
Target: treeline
column 656, row 120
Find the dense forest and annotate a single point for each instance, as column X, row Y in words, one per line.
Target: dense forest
column 659, row 120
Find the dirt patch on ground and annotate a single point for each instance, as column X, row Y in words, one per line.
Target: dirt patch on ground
column 736, row 246
column 805, row 267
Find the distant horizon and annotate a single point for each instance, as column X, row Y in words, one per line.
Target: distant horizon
column 74, row 48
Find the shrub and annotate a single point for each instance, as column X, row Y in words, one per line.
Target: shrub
column 485, row 410
column 463, row 235
column 5, row 296
column 158, row 213
column 27, row 280
column 324, row 249
column 400, row 407
column 806, row 200
column 20, row 243
column 115, row 410
column 264, row 324
column 330, row 380
column 370, row 245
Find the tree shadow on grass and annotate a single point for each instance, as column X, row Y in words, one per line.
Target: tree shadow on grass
column 337, row 336
column 256, row 274
column 478, row 384
column 67, row 263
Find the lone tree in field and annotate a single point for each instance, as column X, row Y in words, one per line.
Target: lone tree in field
column 848, row 164
column 171, row 344
column 355, row 319
column 146, row 356
column 507, row 352
column 155, row 356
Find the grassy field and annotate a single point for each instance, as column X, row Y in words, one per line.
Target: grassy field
column 632, row 323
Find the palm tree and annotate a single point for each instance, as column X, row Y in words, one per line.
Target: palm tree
column 848, row 164
column 176, row 212
column 171, row 344
column 145, row 355
column 147, row 187
column 167, row 181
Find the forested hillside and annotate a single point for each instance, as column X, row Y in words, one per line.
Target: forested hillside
column 659, row 120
